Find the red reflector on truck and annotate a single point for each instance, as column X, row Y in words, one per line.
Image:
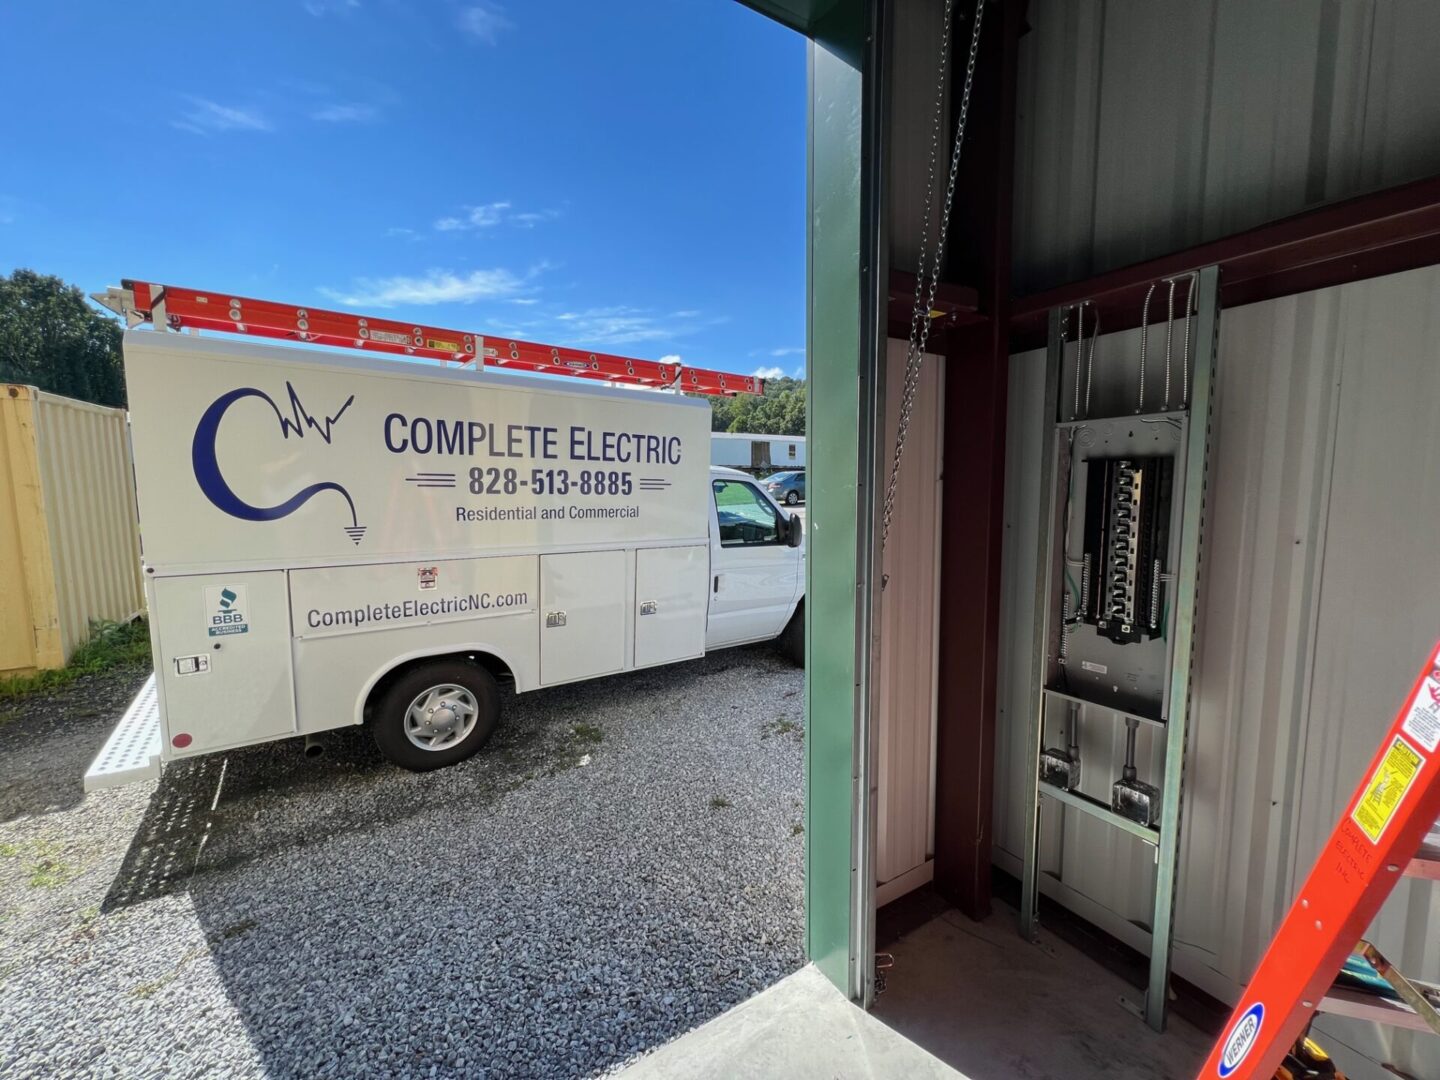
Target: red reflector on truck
column 181, row 740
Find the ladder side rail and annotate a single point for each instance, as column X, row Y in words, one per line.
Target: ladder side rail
column 1384, row 824
column 177, row 307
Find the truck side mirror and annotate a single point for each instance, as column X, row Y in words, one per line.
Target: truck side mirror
column 794, row 530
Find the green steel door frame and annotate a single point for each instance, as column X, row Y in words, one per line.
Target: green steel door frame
column 846, row 269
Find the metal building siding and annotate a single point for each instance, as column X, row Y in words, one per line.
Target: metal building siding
column 909, row 614
column 914, row 59
column 84, row 455
column 70, row 528
column 1145, row 128
column 1319, row 598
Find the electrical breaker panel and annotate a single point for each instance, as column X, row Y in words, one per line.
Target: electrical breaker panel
column 1127, row 537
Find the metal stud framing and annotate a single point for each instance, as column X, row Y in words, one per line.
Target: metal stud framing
column 1165, row 837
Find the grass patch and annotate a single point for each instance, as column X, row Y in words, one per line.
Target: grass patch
column 44, row 867
column 110, row 645
column 588, row 733
column 781, row 726
column 719, row 802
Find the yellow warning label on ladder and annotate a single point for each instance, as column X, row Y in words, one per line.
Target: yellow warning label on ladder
column 1386, row 788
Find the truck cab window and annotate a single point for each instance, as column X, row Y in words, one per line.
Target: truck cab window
column 745, row 516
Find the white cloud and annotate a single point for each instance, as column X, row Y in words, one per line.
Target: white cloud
column 206, row 117
column 345, row 113
column 769, row 373
column 684, row 314
column 670, row 358
column 330, row 7
column 492, row 214
column 399, row 230
column 617, row 326
column 793, row 350
column 435, row 287
column 484, row 22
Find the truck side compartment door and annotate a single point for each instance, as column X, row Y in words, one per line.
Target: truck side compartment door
column 755, row 575
column 583, row 605
column 670, row 600
column 224, row 663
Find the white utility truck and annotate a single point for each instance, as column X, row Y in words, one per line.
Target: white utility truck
column 332, row 540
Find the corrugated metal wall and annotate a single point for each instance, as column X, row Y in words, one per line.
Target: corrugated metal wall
column 1147, row 127
column 914, row 60
column 84, row 455
column 1319, row 600
column 909, row 632
column 70, row 525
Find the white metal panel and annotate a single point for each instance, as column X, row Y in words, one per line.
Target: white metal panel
column 582, row 614
column 1144, row 128
column 909, row 614
column 246, row 692
column 671, row 593
column 1318, row 601
column 336, row 600
column 254, row 456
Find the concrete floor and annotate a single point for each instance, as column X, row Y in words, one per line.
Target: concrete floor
column 995, row 1007
column 965, row 1001
column 802, row 1028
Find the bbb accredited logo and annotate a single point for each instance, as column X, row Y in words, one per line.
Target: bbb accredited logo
column 225, row 609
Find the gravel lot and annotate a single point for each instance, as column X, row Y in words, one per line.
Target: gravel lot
column 621, row 863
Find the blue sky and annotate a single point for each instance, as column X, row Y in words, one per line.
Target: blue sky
column 626, row 175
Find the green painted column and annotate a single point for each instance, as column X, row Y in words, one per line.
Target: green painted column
column 841, row 362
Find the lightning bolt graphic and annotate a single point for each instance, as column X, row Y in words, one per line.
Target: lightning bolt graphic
column 300, row 419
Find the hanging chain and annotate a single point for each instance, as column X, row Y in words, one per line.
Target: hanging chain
column 927, row 281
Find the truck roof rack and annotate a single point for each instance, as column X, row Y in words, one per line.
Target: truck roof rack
column 176, row 308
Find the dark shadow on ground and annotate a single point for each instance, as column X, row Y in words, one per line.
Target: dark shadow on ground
column 48, row 739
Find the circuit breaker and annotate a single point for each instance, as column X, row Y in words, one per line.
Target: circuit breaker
column 1127, row 538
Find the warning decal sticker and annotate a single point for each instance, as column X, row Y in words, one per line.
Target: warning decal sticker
column 1386, row 789
column 1423, row 723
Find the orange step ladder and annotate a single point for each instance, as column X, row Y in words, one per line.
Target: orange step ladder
column 1381, row 837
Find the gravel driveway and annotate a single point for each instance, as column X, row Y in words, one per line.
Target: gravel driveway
column 621, row 863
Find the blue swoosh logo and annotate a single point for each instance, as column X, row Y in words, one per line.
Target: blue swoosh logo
column 212, row 482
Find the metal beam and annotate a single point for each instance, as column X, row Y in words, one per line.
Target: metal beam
column 977, row 360
column 1382, row 233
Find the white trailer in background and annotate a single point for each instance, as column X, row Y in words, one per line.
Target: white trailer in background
column 758, row 453
column 333, row 540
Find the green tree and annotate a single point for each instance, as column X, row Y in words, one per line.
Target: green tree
column 781, row 411
column 52, row 338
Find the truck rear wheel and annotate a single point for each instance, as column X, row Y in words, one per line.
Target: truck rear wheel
column 436, row 715
column 792, row 638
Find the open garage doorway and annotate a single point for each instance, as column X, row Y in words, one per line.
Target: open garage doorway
column 624, row 859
